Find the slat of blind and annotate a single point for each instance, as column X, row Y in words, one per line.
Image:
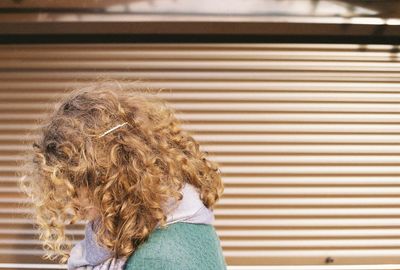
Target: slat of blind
column 200, row 65
column 343, row 149
column 266, row 127
column 124, row 54
column 224, row 46
column 270, row 170
column 292, row 149
column 306, row 212
column 306, row 136
column 326, row 180
column 298, row 212
column 281, row 233
column 255, row 97
column 313, row 202
column 236, row 76
column 22, row 117
column 56, row 88
column 267, row 244
column 278, row 191
column 246, row 107
column 272, row 138
column 312, row 222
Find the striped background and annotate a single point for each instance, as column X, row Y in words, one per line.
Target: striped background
column 307, row 136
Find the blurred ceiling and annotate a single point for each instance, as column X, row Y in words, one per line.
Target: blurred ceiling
column 331, row 8
column 258, row 17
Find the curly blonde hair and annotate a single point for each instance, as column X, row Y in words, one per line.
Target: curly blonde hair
column 130, row 173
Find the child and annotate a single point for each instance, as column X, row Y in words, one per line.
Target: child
column 122, row 162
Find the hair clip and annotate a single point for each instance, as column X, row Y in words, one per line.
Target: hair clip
column 112, row 129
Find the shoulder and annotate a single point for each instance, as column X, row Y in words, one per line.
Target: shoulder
column 180, row 246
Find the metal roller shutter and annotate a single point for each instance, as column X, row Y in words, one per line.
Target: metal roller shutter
column 307, row 136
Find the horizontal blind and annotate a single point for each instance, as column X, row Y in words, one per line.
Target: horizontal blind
column 306, row 135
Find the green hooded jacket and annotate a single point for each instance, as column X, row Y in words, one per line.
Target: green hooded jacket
column 179, row 246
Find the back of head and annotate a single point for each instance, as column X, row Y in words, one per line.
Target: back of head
column 128, row 172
